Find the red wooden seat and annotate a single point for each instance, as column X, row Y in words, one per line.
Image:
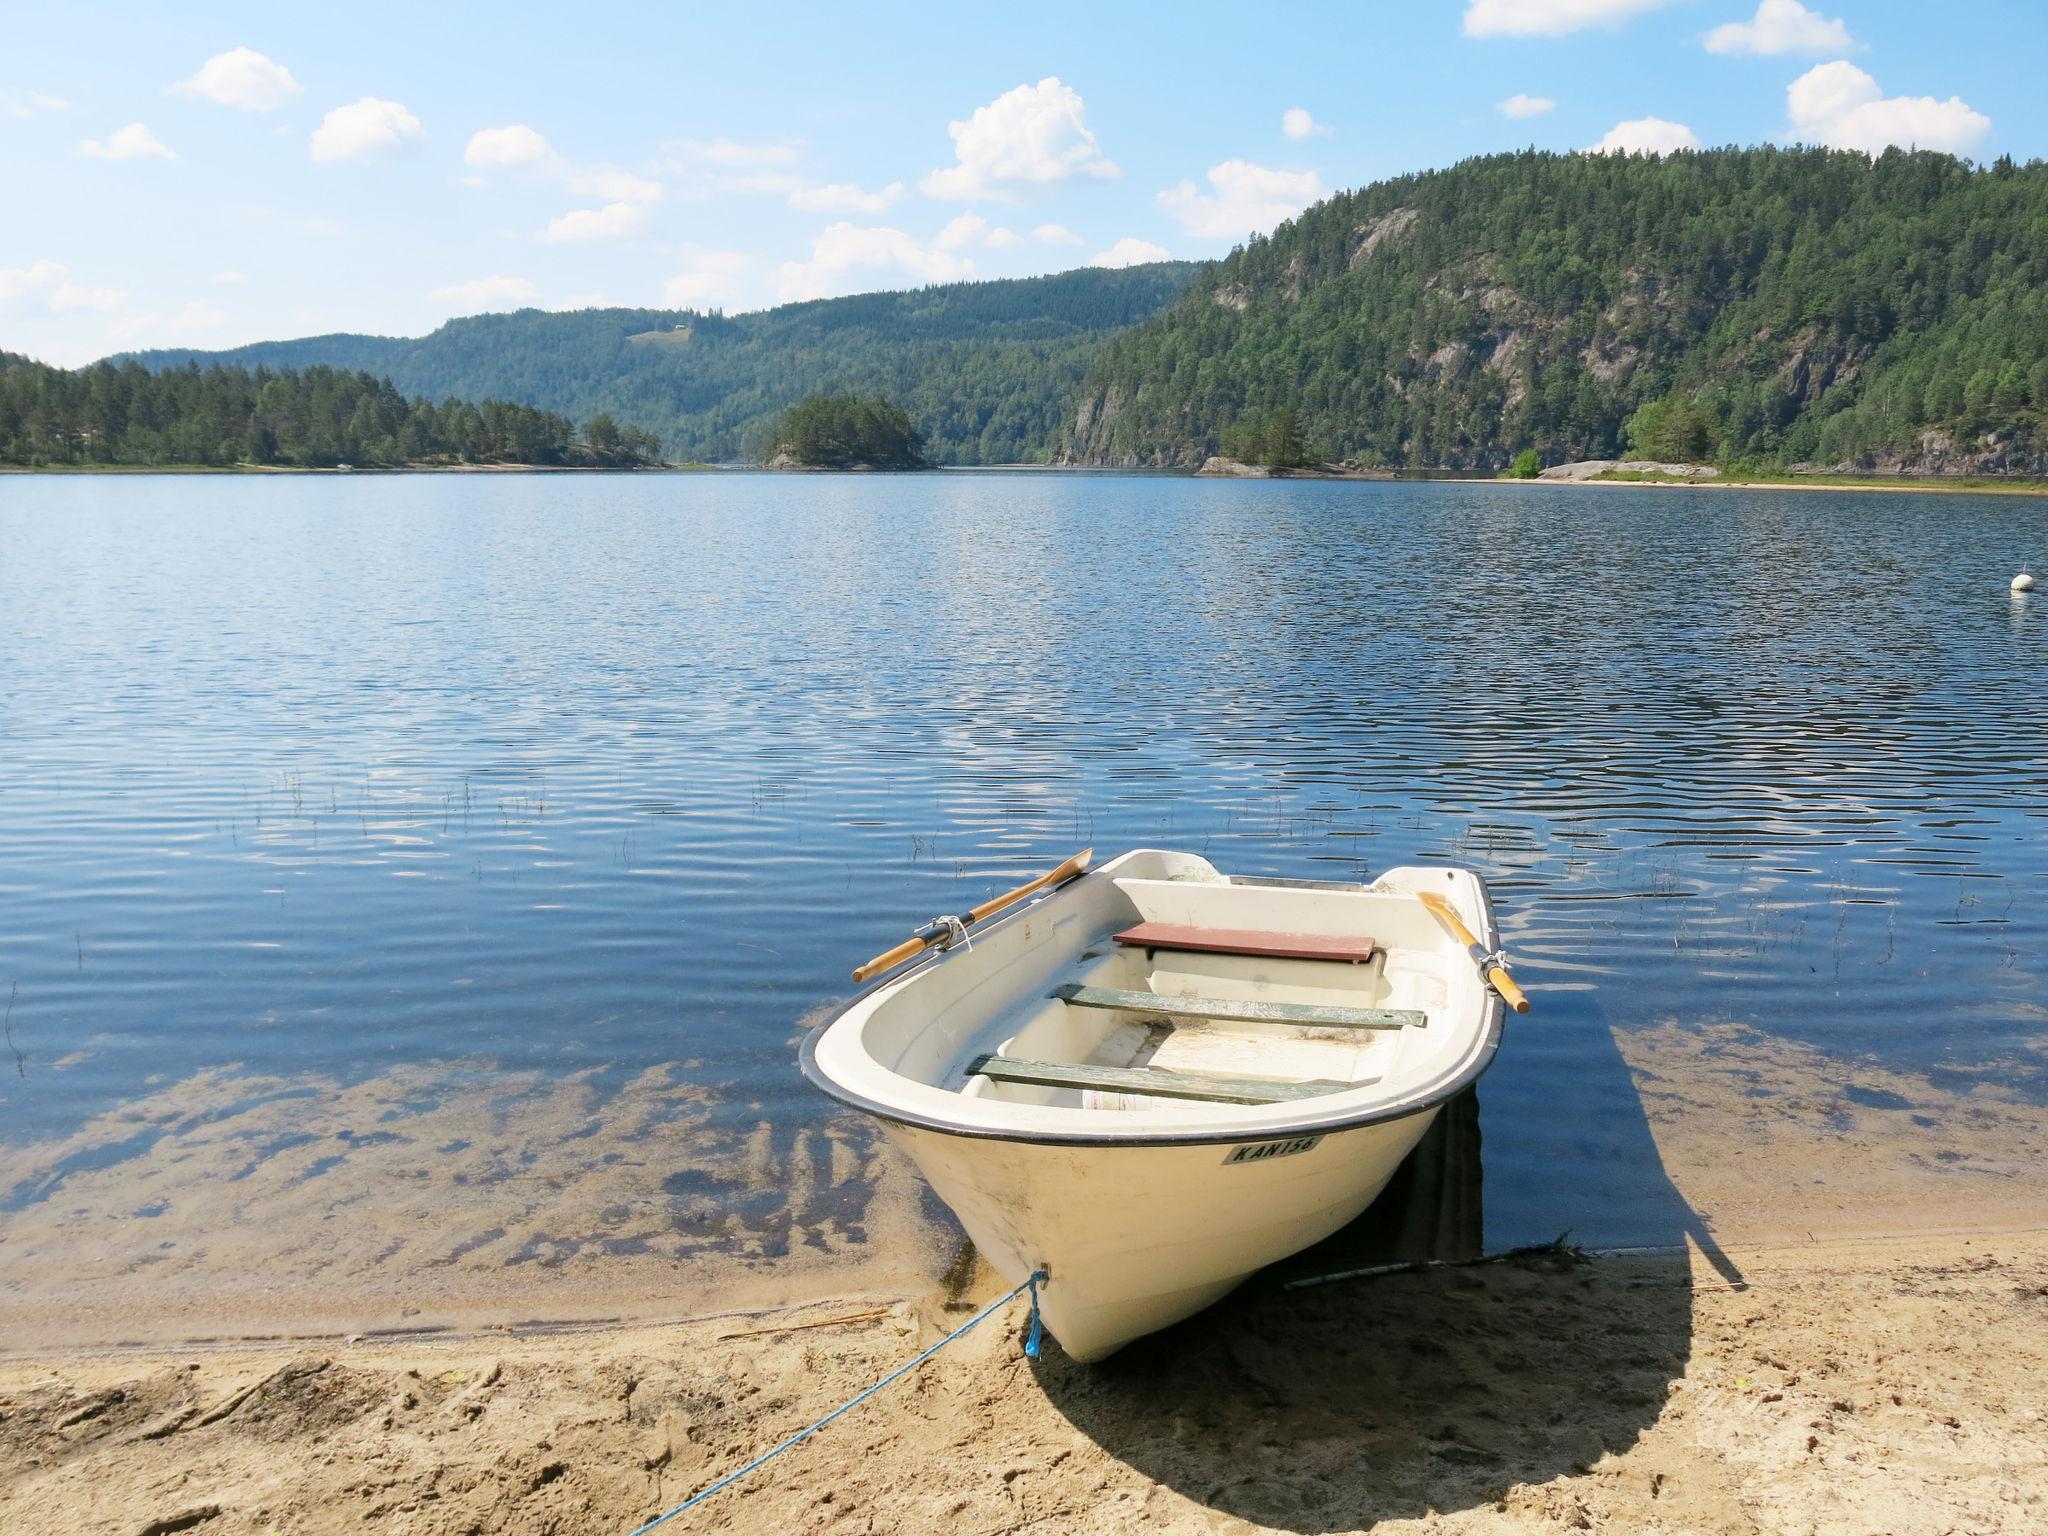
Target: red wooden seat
column 1247, row 941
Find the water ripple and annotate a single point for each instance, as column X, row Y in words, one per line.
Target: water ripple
column 326, row 780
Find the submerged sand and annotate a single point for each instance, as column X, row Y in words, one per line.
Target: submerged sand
column 1858, row 1387
column 231, row 1205
column 232, row 1310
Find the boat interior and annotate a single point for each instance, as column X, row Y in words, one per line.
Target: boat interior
column 1222, row 991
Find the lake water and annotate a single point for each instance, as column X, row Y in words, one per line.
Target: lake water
column 412, row 888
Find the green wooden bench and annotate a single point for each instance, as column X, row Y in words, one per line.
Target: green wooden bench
column 1239, row 1011
column 1210, row 1087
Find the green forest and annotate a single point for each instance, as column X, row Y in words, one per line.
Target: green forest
column 846, row 432
column 1767, row 307
column 1790, row 306
column 126, row 415
column 986, row 370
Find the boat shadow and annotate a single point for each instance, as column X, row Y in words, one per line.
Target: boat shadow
column 1395, row 1395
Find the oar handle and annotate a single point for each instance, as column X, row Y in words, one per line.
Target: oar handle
column 1504, row 984
column 1495, row 973
column 889, row 959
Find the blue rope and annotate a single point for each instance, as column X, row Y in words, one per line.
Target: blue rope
column 1030, row 1348
column 1037, row 1332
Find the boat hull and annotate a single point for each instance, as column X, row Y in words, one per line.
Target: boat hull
column 1135, row 1237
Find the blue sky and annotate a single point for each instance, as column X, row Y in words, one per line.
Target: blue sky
column 208, row 175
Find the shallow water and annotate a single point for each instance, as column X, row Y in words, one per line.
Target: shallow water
column 427, row 876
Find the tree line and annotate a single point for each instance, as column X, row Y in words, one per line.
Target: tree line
column 1771, row 304
column 986, row 370
column 218, row 417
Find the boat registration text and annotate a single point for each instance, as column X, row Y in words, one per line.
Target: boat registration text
column 1262, row 1151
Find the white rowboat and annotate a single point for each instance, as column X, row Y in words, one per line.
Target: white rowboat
column 1159, row 1078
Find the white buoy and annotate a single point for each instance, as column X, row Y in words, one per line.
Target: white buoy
column 2024, row 582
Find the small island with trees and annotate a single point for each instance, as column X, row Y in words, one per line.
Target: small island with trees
column 844, row 431
column 1271, row 447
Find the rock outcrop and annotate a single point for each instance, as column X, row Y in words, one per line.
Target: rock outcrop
column 1220, row 468
column 1591, row 469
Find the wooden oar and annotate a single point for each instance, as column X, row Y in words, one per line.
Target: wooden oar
column 1489, row 966
column 917, row 943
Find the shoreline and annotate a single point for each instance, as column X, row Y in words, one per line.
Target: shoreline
column 1873, row 1384
column 1900, row 487
column 1930, row 487
column 843, row 1288
column 365, row 469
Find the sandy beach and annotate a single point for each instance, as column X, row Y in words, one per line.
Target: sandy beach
column 1958, row 487
column 1840, row 1387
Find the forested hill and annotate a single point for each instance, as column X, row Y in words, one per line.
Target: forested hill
column 1794, row 305
column 986, row 371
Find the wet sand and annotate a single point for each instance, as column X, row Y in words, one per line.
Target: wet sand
column 1849, row 1387
column 231, row 1205
column 550, row 1304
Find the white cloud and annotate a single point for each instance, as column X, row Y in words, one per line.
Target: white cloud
column 242, row 78
column 1055, row 234
column 66, row 298
column 733, row 165
column 230, row 278
column 1548, row 18
column 1130, row 252
column 1522, row 104
column 1028, row 136
column 1645, row 136
column 614, row 221
column 1839, row 105
column 844, row 197
column 1296, row 123
column 481, row 293
column 28, row 104
column 196, row 317
column 845, row 254
column 611, row 184
column 971, row 229
column 520, row 148
column 193, row 322
column 513, row 145
column 19, row 282
column 134, row 142
column 367, row 126
column 961, row 232
column 709, row 279
column 732, row 154
column 772, row 183
column 1782, row 26
column 1247, row 199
